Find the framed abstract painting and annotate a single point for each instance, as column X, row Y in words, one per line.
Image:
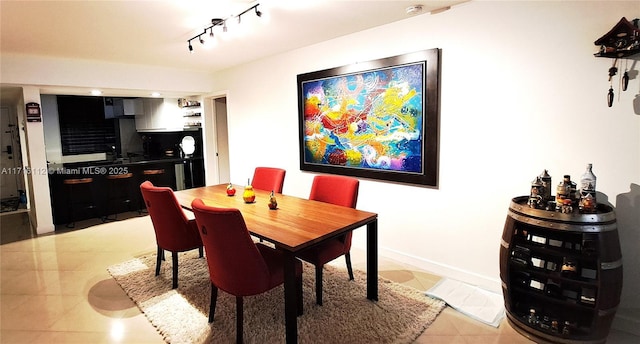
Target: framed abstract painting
column 376, row 119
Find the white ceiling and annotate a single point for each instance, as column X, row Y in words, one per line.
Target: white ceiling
column 156, row 32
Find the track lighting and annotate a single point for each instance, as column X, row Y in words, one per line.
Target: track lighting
column 223, row 22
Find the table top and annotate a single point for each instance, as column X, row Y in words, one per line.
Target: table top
column 296, row 224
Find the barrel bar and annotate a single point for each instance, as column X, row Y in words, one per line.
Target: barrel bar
column 604, row 215
column 586, row 228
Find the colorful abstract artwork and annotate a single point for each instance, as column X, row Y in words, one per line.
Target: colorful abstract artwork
column 369, row 123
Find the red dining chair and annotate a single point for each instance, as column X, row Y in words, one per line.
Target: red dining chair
column 337, row 190
column 268, row 179
column 174, row 232
column 237, row 264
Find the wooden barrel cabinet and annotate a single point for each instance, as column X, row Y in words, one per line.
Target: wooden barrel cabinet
column 561, row 273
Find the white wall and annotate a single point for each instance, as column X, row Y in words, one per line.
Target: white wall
column 521, row 92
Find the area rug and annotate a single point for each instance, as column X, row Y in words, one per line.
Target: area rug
column 347, row 316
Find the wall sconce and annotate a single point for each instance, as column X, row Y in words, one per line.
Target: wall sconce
column 220, row 22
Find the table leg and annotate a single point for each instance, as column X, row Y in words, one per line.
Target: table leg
column 372, row 260
column 290, row 298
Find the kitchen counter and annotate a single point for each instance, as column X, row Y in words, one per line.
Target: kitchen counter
column 57, row 168
column 177, row 172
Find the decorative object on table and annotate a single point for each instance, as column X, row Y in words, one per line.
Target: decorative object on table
column 249, row 196
column 563, row 191
column 375, row 119
column 622, row 41
column 546, row 186
column 566, row 207
column 588, row 201
column 569, row 196
column 398, row 317
column 273, row 203
column 587, row 204
column 588, row 182
column 535, row 197
column 231, row 190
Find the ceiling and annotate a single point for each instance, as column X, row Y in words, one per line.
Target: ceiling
column 156, row 33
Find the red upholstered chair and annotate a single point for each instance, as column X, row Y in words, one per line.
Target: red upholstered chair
column 268, row 179
column 237, row 265
column 174, row 232
column 337, row 190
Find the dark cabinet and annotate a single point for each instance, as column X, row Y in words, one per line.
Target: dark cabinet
column 100, row 193
column 561, row 273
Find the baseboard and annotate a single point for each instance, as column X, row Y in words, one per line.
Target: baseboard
column 488, row 283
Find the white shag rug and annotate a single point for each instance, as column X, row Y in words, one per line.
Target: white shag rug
column 347, row 316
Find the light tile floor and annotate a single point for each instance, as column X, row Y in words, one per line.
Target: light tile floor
column 56, row 289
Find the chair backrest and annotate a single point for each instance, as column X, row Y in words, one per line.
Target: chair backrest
column 170, row 223
column 339, row 190
column 268, row 179
column 235, row 263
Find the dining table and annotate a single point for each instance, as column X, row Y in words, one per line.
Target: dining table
column 295, row 225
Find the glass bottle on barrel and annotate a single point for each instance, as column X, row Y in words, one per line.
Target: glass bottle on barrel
column 563, row 192
column 588, row 191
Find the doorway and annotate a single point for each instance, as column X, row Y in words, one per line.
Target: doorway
column 11, row 178
column 221, row 139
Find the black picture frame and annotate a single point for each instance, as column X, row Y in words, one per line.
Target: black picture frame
column 377, row 119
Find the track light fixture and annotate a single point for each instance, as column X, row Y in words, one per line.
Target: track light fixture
column 222, row 22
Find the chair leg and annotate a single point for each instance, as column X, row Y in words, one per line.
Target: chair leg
column 159, row 260
column 319, row 284
column 347, row 257
column 212, row 304
column 201, row 251
column 239, row 320
column 174, row 258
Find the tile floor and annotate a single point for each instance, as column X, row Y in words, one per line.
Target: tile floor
column 56, row 289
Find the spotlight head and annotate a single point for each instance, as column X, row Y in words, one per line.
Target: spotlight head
column 201, row 40
column 258, row 13
column 190, row 47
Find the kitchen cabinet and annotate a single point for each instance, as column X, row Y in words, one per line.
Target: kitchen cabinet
column 119, row 107
column 133, row 107
column 159, row 115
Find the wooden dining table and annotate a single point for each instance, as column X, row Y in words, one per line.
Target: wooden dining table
column 295, row 225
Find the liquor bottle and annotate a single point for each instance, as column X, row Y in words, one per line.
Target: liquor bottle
column 563, row 191
column 574, row 196
column 546, row 186
column 588, row 182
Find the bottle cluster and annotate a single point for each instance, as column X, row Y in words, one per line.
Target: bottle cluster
column 569, row 197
